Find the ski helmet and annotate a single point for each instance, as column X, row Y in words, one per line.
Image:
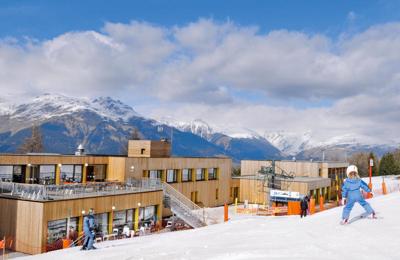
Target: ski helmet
column 351, row 168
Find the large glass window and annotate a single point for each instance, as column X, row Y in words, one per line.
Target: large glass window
column 147, row 215
column 119, row 220
column 212, row 173
column 19, row 173
column 71, row 173
column 155, row 174
column 6, row 172
column 187, row 175
column 96, row 173
column 172, row 176
column 200, row 174
column 43, row 174
column 57, row 229
column 101, row 221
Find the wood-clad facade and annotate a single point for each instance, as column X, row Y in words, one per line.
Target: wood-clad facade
column 311, row 178
column 206, row 181
column 26, row 222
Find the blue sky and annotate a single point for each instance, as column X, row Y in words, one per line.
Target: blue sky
column 326, row 67
column 48, row 18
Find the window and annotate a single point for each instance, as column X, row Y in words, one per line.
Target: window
column 43, row 174
column 6, row 172
column 96, row 173
column 200, row 174
column 155, row 174
column 212, row 173
column 119, row 219
column 187, row 175
column 147, row 215
column 142, row 151
column 101, row 221
column 57, row 229
column 19, row 173
column 172, row 176
column 71, row 173
column 216, row 194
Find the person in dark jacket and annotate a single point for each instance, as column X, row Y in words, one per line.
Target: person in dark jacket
column 303, row 207
column 89, row 231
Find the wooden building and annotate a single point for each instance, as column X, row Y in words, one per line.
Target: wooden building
column 310, row 178
column 205, row 181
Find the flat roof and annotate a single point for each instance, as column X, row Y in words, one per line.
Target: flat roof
column 303, row 179
column 110, row 155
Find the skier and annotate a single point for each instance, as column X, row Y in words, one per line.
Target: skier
column 351, row 193
column 88, row 229
column 304, row 207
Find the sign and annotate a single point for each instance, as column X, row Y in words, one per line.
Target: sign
column 371, row 162
column 282, row 195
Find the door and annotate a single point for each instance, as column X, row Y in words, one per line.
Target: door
column 90, row 173
column 19, row 173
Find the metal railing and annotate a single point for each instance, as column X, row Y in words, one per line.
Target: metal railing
column 70, row 191
column 184, row 208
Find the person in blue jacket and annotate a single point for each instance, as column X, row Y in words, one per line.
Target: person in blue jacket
column 89, row 231
column 351, row 193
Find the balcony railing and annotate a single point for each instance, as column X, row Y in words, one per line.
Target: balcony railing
column 38, row 192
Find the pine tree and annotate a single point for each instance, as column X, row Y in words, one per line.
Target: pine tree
column 388, row 165
column 34, row 143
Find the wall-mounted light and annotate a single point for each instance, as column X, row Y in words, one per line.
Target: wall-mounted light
column 86, row 164
column 113, row 207
column 60, row 165
column 139, row 204
column 29, row 165
column 83, row 212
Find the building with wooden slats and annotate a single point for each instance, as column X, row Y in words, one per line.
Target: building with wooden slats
column 62, row 188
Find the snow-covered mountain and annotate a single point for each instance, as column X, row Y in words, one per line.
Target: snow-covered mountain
column 103, row 125
column 290, row 143
column 49, row 105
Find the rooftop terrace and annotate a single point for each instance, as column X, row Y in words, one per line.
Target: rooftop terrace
column 44, row 193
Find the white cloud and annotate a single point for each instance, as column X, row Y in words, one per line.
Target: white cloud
column 198, row 70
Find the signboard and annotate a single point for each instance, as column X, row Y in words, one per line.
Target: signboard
column 282, row 195
column 371, row 162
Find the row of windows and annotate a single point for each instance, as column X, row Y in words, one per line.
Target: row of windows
column 46, row 174
column 187, row 174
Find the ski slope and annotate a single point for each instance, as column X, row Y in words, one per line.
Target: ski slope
column 316, row 237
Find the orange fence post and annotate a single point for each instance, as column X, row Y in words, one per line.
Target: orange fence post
column 293, row 208
column 321, row 203
column 384, row 191
column 312, row 206
column 66, row 243
column 226, row 213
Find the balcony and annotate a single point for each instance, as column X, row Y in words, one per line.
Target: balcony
column 36, row 192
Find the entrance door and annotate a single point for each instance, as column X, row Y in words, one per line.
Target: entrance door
column 19, row 173
column 90, row 175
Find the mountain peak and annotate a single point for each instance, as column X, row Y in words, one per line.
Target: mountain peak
column 48, row 105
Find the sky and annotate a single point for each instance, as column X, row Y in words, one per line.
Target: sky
column 326, row 67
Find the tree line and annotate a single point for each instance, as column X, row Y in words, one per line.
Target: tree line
column 388, row 164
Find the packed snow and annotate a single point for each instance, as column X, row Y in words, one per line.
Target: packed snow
column 319, row 236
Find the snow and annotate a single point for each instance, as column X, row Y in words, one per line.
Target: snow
column 52, row 105
column 290, row 143
column 250, row 237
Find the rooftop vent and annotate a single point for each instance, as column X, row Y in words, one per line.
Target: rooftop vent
column 80, row 150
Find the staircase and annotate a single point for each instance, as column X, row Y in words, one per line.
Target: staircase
column 183, row 207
